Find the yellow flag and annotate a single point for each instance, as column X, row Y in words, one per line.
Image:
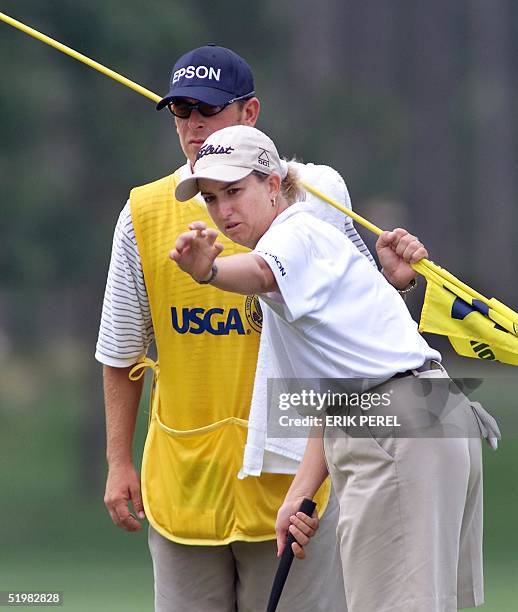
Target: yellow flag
column 472, row 326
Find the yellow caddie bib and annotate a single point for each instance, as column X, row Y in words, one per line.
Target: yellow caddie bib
column 207, row 342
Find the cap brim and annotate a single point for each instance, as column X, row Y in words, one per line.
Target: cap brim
column 188, row 188
column 209, row 95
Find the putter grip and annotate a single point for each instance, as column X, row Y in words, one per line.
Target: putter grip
column 307, row 507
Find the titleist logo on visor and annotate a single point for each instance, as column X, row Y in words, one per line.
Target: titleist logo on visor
column 213, row 150
column 200, row 72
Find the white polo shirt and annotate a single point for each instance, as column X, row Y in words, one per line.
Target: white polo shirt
column 334, row 316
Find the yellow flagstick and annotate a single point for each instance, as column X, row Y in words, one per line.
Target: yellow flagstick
column 350, row 213
column 79, row 56
column 424, row 263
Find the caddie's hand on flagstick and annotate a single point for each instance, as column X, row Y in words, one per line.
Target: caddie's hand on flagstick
column 477, row 332
column 397, row 250
column 196, row 250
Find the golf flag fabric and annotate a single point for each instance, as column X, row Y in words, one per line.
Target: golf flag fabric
column 474, row 328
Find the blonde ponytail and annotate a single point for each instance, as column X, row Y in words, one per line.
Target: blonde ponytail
column 291, row 187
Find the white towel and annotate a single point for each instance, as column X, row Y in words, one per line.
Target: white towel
column 262, row 453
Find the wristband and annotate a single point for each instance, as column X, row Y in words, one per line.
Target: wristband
column 212, row 276
column 410, row 287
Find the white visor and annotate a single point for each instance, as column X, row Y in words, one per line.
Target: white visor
column 229, row 155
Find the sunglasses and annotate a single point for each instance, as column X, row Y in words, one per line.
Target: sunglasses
column 183, row 109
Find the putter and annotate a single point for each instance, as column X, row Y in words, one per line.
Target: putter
column 307, row 506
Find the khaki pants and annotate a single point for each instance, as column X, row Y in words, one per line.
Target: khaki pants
column 239, row 576
column 410, row 526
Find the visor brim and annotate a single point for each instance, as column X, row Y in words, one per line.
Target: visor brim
column 188, row 188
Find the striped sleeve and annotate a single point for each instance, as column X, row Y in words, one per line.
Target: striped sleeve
column 352, row 234
column 126, row 329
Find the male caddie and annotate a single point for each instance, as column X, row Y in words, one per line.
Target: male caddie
column 211, row 536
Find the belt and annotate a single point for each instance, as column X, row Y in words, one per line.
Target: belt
column 428, row 365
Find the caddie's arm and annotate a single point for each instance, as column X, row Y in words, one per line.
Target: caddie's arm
column 196, row 252
column 121, row 398
column 311, row 474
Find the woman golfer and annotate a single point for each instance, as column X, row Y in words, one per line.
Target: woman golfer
column 410, row 521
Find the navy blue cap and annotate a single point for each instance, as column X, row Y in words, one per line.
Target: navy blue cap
column 210, row 74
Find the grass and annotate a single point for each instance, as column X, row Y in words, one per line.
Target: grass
column 89, row 580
